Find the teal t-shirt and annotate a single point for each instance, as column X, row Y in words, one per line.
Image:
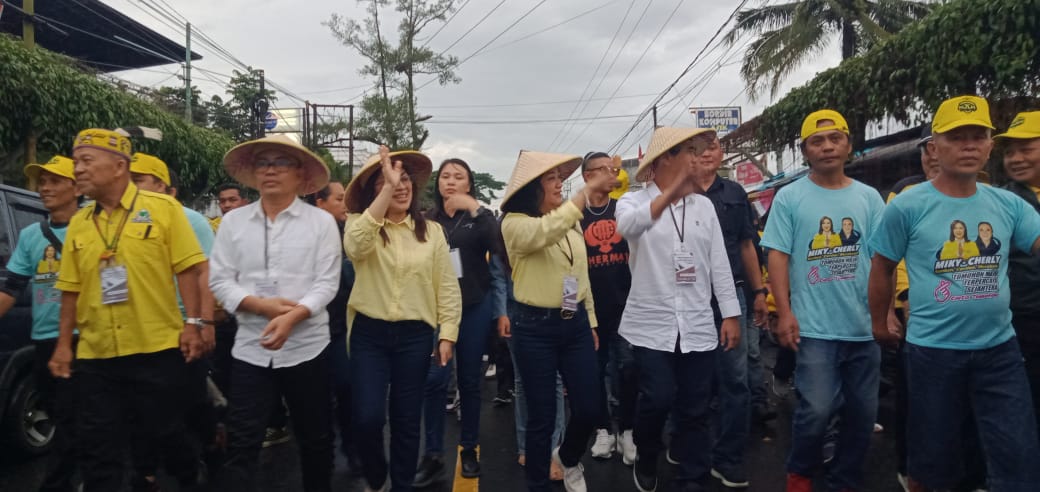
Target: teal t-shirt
column 956, row 252
column 824, row 231
column 204, row 234
column 34, row 257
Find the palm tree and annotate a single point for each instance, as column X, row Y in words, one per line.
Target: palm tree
column 790, row 33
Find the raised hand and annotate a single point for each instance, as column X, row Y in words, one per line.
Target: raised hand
column 392, row 171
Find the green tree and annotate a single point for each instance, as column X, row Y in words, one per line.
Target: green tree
column 484, row 187
column 235, row 116
column 172, row 100
column 388, row 114
column 791, row 33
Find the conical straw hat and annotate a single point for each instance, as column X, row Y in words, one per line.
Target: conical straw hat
column 238, row 162
column 530, row 165
column 663, row 139
column 416, row 164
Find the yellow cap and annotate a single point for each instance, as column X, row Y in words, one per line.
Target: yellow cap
column 1025, row 126
column 107, row 140
column 961, row 111
column 810, row 124
column 59, row 165
column 149, row 164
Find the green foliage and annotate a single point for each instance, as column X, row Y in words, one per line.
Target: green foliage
column 484, row 187
column 44, row 94
column 172, row 99
column 985, row 47
column 791, row 33
column 387, row 113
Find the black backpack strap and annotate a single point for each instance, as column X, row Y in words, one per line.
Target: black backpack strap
column 45, row 227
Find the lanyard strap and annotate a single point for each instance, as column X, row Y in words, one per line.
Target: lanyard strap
column 681, row 232
column 110, row 247
column 570, row 255
column 266, row 267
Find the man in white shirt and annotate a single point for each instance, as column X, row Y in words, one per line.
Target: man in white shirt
column 276, row 265
column 678, row 260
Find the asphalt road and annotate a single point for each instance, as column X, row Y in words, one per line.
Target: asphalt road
column 500, row 472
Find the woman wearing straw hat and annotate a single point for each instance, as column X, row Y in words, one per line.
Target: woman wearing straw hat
column 405, row 289
column 473, row 235
column 554, row 310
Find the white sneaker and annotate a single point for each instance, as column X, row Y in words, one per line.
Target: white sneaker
column 603, row 448
column 627, row 447
column 903, row 482
column 573, row 476
column 491, row 371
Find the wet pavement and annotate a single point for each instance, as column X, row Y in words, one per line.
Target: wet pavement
column 766, row 453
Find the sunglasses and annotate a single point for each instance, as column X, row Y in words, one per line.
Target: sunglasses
column 280, row 163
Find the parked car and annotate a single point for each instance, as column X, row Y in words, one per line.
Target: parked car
column 25, row 427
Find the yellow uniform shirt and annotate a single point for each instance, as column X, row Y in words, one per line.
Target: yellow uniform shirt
column 214, row 223
column 540, row 256
column 404, row 280
column 156, row 243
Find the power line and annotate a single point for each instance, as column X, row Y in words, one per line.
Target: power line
column 510, row 26
column 428, row 40
column 554, row 26
column 543, row 103
column 341, row 89
column 479, row 22
column 523, row 122
column 681, row 75
column 580, row 107
column 631, row 70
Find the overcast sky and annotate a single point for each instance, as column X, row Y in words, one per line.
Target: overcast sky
column 297, row 52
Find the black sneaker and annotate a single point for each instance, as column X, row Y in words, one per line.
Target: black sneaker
column 644, row 473
column 734, row 479
column 470, row 465
column 430, row 470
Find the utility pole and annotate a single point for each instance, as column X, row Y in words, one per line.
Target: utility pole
column 187, row 73
column 260, row 107
column 350, row 151
column 29, row 38
column 655, row 116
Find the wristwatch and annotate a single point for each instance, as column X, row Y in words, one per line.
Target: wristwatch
column 764, row 291
column 193, row 321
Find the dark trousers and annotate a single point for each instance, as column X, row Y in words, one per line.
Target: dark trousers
column 392, row 356
column 616, row 369
column 674, row 380
column 469, row 351
column 221, row 359
column 58, row 397
column 140, row 394
column 504, row 376
column 255, row 391
column 545, row 343
column 339, row 364
column 786, row 359
column 1028, row 329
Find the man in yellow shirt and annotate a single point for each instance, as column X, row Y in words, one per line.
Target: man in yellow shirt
column 116, row 288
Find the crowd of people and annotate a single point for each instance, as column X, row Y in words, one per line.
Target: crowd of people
column 190, row 344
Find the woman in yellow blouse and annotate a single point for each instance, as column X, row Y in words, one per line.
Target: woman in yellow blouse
column 826, row 238
column 959, row 246
column 405, row 289
column 553, row 319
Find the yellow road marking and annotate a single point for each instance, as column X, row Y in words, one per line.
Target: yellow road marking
column 462, row 484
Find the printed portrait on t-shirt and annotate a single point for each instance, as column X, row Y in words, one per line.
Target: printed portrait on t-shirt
column 973, row 263
column 959, row 246
column 834, row 253
column 49, row 264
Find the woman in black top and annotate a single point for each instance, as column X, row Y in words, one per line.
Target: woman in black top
column 473, row 236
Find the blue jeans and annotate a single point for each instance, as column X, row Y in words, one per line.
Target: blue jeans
column 469, row 350
column 755, row 373
column 396, row 355
column 943, row 384
column 546, row 344
column 520, row 407
column 681, row 382
column 733, row 420
column 834, row 377
column 618, row 371
column 339, row 364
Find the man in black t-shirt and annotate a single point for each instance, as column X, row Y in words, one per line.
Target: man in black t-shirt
column 610, row 279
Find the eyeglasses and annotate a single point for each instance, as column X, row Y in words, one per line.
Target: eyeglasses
column 280, row 164
column 616, row 171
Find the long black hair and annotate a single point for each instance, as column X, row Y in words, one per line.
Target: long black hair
column 438, row 200
column 368, row 195
column 527, row 200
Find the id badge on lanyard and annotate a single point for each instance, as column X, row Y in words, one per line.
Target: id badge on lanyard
column 685, row 271
column 114, row 286
column 267, row 287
